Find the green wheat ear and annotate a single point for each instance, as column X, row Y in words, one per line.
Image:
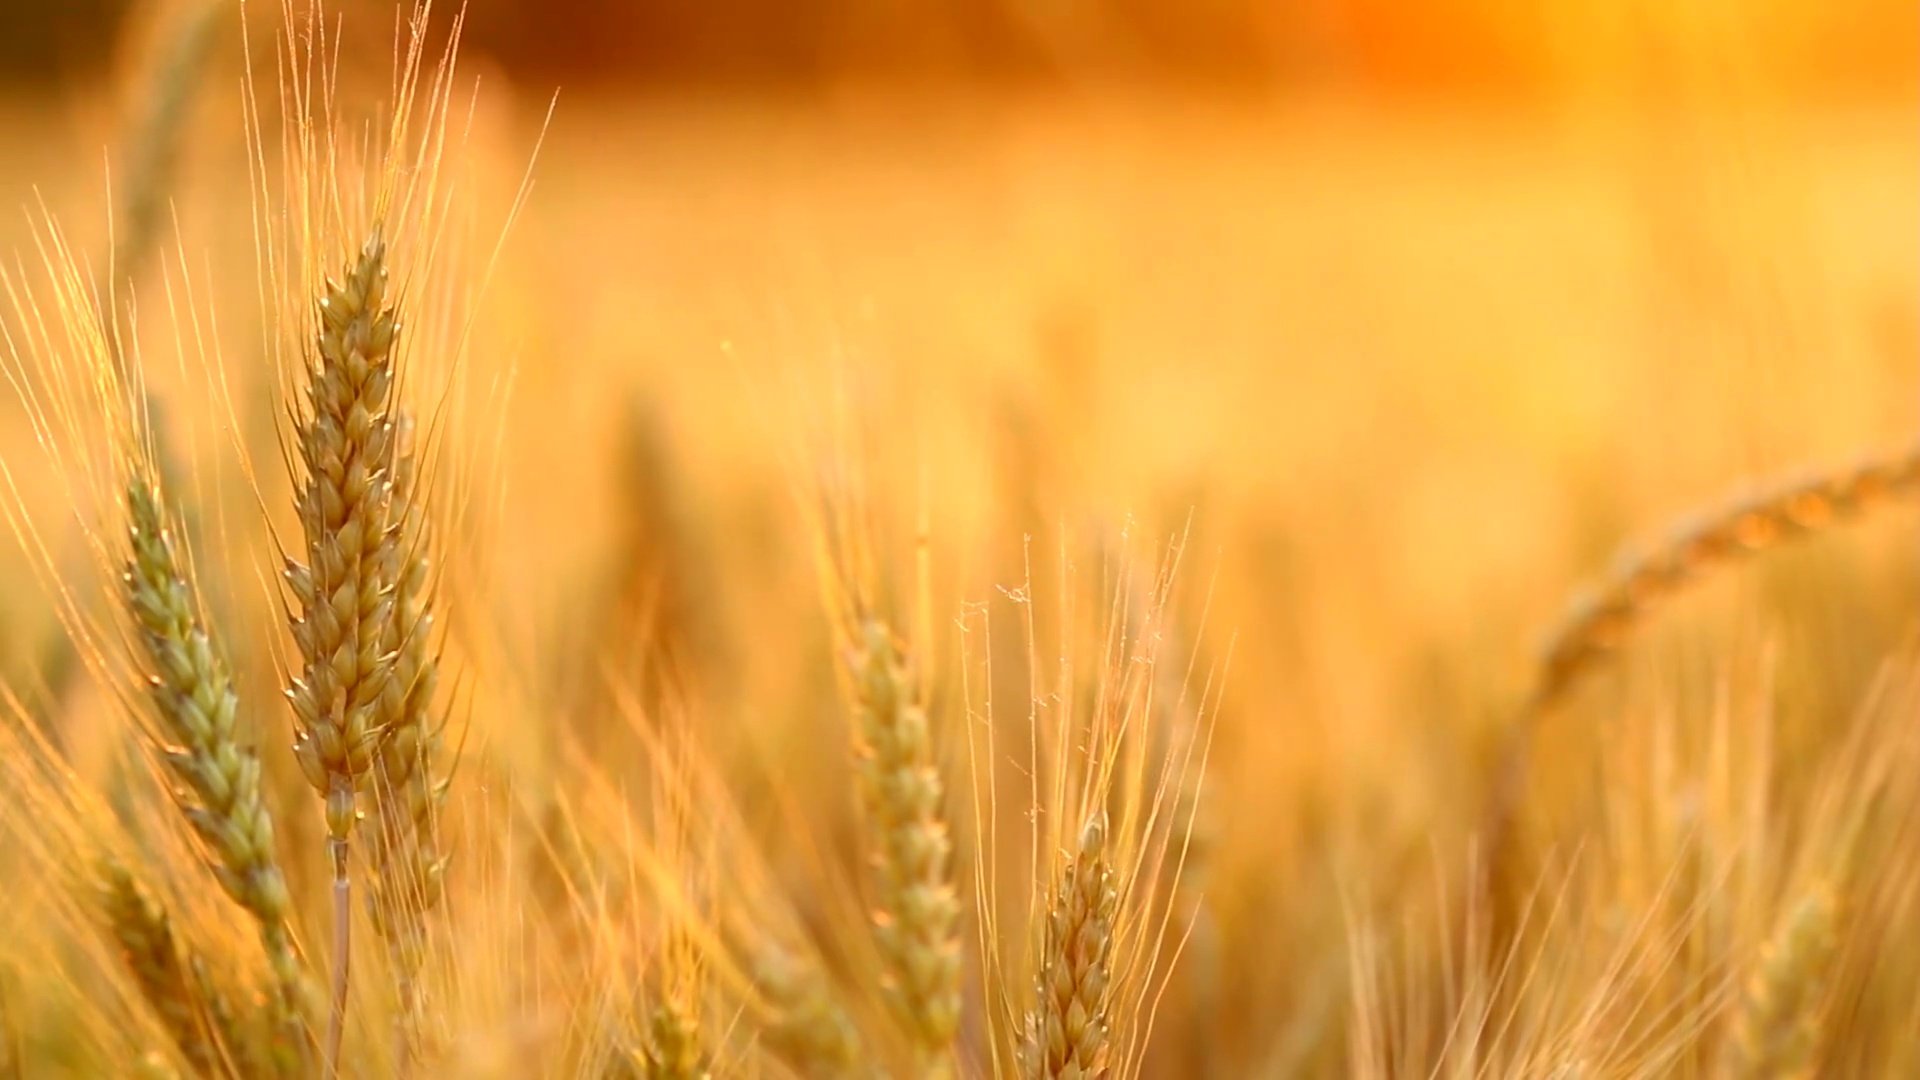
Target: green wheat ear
column 218, row 774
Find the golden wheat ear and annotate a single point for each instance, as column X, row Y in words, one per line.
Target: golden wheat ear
column 346, row 435
column 182, row 54
column 1067, row 1033
column 672, row 1047
column 907, row 838
column 1600, row 622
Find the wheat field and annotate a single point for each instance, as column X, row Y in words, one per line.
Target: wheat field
column 1117, row 578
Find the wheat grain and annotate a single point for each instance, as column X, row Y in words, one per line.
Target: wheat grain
column 797, row 1009
column 807, row 1025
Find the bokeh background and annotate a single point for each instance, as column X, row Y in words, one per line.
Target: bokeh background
column 1413, row 309
column 1858, row 46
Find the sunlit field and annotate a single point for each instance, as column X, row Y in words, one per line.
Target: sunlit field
column 1126, row 576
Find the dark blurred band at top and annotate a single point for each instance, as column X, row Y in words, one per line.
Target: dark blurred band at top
column 1839, row 45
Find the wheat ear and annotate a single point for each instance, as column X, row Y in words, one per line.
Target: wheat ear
column 917, row 916
column 1066, row 1036
column 1777, row 1030
column 808, row 1025
column 159, row 967
column 219, row 776
column 346, row 442
column 672, row 1048
column 1600, row 622
column 407, row 860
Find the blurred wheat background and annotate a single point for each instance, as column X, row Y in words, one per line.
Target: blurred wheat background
column 1388, row 322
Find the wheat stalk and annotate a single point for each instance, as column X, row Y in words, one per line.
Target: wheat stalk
column 194, row 700
column 917, row 913
column 346, row 442
column 1066, row 1034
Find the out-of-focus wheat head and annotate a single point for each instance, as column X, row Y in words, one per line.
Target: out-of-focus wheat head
column 1701, row 928
column 1601, row 621
column 901, row 777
